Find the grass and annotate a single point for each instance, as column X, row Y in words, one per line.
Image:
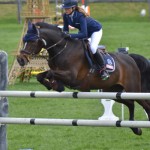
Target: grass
column 123, row 12
column 122, row 26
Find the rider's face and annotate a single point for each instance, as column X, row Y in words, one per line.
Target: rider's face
column 68, row 11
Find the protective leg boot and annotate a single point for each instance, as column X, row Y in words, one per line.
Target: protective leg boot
column 100, row 61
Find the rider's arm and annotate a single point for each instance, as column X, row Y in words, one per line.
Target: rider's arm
column 65, row 27
column 83, row 29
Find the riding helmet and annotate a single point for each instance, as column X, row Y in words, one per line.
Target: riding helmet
column 69, row 3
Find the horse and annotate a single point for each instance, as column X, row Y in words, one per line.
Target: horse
column 69, row 66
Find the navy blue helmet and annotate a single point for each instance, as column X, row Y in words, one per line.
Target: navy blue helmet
column 69, row 3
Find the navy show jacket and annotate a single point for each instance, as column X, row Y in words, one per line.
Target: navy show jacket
column 86, row 25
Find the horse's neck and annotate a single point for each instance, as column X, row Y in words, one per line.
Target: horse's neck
column 67, row 51
column 62, row 48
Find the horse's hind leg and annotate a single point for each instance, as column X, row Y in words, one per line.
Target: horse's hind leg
column 132, row 85
column 130, row 105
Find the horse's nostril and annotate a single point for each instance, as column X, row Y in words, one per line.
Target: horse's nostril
column 20, row 61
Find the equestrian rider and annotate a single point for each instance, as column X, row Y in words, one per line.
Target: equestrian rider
column 88, row 28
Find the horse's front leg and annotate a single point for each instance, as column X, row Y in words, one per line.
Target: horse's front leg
column 47, row 79
column 65, row 77
column 41, row 77
column 70, row 78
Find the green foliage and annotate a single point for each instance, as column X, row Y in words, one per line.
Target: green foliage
column 122, row 26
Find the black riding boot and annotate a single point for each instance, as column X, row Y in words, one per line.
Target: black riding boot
column 100, row 61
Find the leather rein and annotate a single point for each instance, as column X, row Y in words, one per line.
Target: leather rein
column 54, row 45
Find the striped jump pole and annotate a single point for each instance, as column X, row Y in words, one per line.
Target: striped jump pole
column 74, row 122
column 75, row 95
column 3, row 100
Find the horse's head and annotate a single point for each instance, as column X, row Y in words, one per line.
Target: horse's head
column 32, row 44
column 41, row 35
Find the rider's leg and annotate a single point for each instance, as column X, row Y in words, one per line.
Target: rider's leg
column 95, row 39
column 102, row 69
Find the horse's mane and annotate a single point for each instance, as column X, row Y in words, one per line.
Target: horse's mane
column 52, row 27
column 48, row 26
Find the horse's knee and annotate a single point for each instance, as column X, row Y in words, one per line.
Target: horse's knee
column 50, row 74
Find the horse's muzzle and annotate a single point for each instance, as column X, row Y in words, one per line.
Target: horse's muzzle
column 22, row 60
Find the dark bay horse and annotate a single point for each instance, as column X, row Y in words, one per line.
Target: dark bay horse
column 69, row 66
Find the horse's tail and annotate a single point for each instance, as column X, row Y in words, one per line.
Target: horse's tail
column 142, row 63
column 144, row 67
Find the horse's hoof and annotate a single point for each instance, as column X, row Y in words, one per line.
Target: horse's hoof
column 60, row 89
column 49, row 88
column 137, row 131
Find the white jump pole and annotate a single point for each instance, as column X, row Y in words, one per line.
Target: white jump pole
column 3, row 100
column 74, row 122
column 76, row 95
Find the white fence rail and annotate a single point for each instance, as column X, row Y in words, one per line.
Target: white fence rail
column 74, row 122
column 81, row 95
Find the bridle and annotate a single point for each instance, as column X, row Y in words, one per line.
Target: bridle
column 45, row 44
column 54, row 45
column 59, row 51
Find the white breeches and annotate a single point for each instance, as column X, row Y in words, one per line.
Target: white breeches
column 94, row 40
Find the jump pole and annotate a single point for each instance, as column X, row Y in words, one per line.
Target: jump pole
column 76, row 95
column 74, row 122
column 3, row 100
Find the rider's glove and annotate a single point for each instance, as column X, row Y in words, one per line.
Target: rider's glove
column 67, row 35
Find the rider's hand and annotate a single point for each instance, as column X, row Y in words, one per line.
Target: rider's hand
column 67, row 35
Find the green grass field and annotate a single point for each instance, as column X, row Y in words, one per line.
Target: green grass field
column 122, row 26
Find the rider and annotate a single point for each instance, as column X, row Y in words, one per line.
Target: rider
column 88, row 28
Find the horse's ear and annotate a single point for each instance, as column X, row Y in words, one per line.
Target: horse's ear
column 32, row 28
column 35, row 29
column 29, row 26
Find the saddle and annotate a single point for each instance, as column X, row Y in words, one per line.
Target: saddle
column 109, row 61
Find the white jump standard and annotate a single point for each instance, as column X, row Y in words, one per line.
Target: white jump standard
column 3, row 100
